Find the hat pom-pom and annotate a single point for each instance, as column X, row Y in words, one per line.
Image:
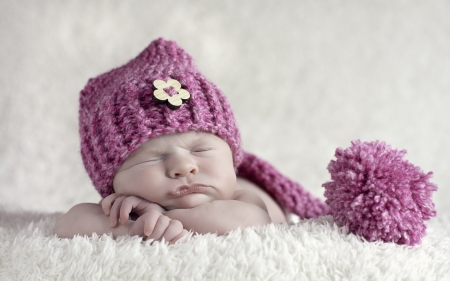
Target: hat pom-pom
column 379, row 195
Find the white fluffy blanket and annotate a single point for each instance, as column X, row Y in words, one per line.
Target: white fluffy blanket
column 309, row 250
column 303, row 78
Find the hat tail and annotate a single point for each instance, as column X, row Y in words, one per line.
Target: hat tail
column 288, row 194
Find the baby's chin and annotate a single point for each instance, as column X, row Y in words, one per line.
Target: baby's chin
column 189, row 201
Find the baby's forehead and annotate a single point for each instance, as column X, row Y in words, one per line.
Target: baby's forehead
column 188, row 139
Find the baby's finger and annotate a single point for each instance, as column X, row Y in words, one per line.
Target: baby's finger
column 108, row 201
column 115, row 210
column 183, row 233
column 144, row 224
column 137, row 228
column 158, row 228
column 173, row 230
column 128, row 205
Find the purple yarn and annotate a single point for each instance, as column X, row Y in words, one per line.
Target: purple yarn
column 288, row 193
column 118, row 114
column 378, row 195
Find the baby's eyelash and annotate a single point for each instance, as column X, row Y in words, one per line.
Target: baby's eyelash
column 154, row 159
column 201, row 149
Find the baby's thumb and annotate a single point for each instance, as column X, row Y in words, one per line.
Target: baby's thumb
column 137, row 229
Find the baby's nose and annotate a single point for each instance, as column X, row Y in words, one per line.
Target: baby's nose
column 182, row 166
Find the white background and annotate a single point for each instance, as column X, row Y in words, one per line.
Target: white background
column 303, row 78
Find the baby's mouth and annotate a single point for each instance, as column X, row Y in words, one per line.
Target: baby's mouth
column 187, row 189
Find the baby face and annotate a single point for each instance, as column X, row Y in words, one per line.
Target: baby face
column 179, row 171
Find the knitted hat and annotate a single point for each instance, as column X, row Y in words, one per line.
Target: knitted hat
column 160, row 92
column 290, row 195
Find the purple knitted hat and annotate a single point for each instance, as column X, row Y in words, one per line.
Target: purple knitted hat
column 144, row 99
column 290, row 195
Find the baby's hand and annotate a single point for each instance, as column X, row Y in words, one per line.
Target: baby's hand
column 154, row 225
column 118, row 207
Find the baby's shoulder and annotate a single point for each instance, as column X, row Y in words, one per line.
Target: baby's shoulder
column 249, row 196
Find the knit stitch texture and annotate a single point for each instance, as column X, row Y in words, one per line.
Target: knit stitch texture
column 379, row 195
column 118, row 114
column 288, row 194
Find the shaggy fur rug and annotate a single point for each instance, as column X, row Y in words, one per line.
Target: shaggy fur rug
column 303, row 78
column 309, row 250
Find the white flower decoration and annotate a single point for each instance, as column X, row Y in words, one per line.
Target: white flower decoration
column 173, row 102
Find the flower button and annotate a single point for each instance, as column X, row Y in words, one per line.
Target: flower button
column 173, row 102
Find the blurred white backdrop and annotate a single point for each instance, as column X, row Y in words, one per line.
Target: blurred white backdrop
column 303, row 78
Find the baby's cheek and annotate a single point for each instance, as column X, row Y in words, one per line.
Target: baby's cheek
column 119, row 184
column 145, row 184
column 126, row 182
column 116, row 184
column 229, row 183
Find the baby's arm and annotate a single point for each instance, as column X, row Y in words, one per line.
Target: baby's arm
column 118, row 206
column 88, row 218
column 220, row 216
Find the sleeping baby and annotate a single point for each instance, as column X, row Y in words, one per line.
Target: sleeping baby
column 161, row 146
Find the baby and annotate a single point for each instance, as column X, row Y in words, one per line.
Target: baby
column 161, row 145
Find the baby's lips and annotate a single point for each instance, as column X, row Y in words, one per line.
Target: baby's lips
column 188, row 189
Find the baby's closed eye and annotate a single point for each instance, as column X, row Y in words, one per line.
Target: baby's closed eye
column 203, row 150
column 152, row 160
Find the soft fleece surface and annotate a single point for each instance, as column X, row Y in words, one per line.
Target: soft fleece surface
column 309, row 250
column 303, row 78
